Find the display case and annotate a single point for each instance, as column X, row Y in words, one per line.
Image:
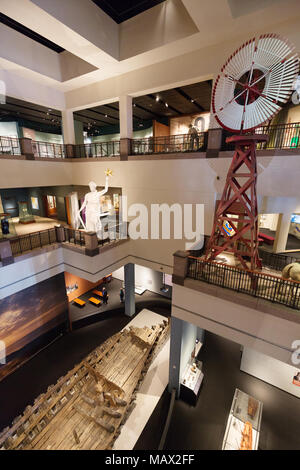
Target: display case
column 243, row 425
column 24, row 215
column 191, row 383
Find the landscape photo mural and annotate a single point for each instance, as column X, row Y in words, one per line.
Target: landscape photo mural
column 32, row 318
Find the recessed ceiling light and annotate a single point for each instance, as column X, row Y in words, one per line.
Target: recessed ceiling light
column 157, row 98
column 166, row 105
column 105, row 115
column 192, row 101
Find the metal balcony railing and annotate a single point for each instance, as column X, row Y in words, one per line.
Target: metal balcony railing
column 169, row 144
column 32, row 241
column 257, row 284
column 10, row 146
column 281, row 136
column 98, row 149
column 48, row 150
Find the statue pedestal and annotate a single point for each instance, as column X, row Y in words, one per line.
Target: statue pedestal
column 91, row 244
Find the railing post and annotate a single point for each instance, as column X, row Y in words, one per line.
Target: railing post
column 180, row 268
column 91, row 244
column 27, row 148
column 214, row 142
column 125, row 148
column 60, row 233
column 70, row 150
column 6, row 253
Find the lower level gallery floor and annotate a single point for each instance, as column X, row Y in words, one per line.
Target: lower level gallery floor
column 203, row 427
column 191, row 428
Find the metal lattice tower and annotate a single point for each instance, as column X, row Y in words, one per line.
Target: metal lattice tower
column 254, row 80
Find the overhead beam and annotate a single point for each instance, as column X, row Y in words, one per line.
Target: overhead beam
column 188, row 98
column 147, row 111
column 89, row 119
column 163, row 102
column 102, row 114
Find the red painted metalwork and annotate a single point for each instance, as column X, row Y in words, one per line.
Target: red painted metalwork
column 235, row 228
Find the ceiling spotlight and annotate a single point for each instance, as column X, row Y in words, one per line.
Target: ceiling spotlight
column 166, row 105
column 105, row 115
column 134, row 105
column 157, row 98
column 192, row 101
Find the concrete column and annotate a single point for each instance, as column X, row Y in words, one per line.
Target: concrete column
column 180, row 267
column 175, row 355
column 91, row 244
column 125, row 114
column 214, row 142
column 182, row 345
column 60, row 233
column 68, row 126
column 27, row 148
column 282, row 232
column 129, row 278
column 6, row 253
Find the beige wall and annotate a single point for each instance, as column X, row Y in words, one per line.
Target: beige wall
column 271, row 335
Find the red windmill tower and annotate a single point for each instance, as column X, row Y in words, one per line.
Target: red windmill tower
column 247, row 92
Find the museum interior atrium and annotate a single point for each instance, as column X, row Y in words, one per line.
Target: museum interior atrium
column 150, row 225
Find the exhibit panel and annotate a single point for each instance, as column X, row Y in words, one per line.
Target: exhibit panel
column 31, row 319
column 243, row 425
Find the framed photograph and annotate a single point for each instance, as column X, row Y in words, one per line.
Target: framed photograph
column 35, row 203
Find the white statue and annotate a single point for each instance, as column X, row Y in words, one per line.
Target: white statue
column 93, row 207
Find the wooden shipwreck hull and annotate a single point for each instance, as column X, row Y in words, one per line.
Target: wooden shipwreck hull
column 87, row 407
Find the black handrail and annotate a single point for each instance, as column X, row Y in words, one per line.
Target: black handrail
column 31, row 241
column 255, row 283
column 98, row 149
column 170, row 144
column 48, row 149
column 10, row 146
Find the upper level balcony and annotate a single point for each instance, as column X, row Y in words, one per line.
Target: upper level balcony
column 210, row 144
column 87, row 243
column 269, row 283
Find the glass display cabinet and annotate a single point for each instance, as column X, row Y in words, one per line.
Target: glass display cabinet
column 24, row 215
column 243, row 425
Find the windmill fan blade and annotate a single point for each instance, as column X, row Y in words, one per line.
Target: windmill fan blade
column 253, row 82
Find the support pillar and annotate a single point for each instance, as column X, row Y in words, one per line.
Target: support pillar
column 68, row 126
column 180, row 267
column 282, row 232
column 182, row 349
column 91, row 244
column 125, row 114
column 175, row 355
column 214, row 142
column 27, row 148
column 129, row 278
column 60, row 233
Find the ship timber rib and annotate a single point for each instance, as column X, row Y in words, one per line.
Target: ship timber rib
column 40, row 401
column 71, row 413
